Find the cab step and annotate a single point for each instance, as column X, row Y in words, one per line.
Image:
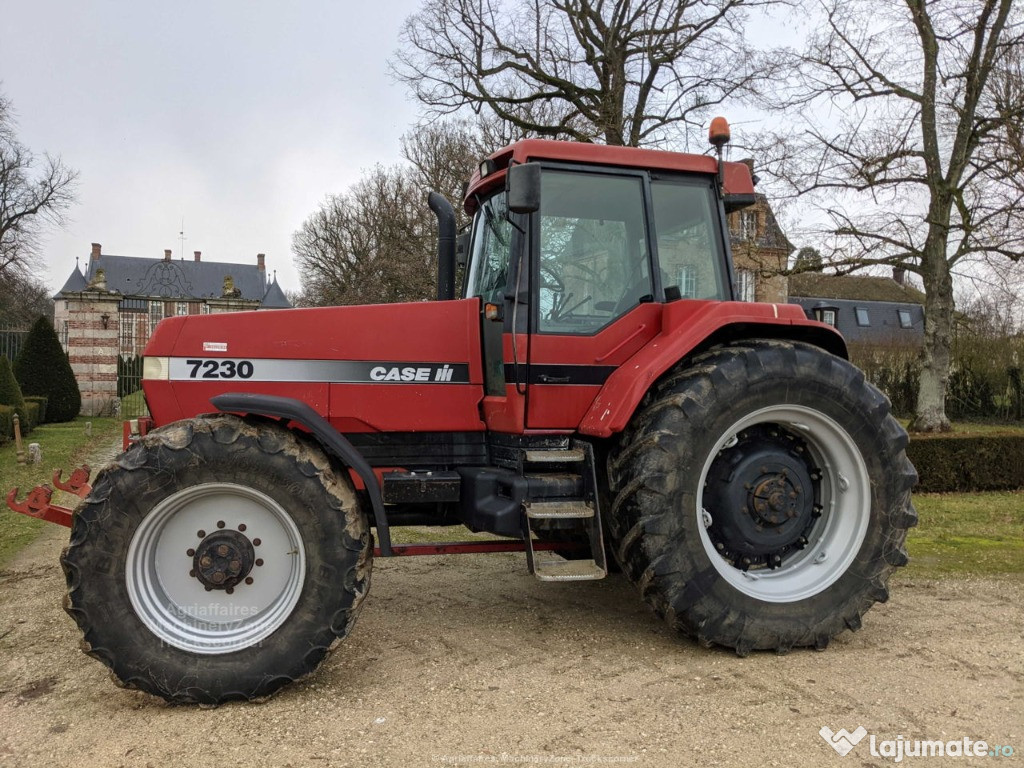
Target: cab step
column 551, row 567
column 559, row 510
column 563, row 503
column 572, row 455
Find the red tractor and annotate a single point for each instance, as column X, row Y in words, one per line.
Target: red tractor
column 595, row 397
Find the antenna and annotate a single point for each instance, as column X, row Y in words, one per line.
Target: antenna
column 182, row 238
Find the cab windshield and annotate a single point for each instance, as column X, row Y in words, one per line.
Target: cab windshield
column 489, row 262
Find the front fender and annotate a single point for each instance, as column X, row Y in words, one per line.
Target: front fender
column 333, row 442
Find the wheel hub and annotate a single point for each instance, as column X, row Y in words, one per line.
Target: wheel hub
column 761, row 494
column 223, row 559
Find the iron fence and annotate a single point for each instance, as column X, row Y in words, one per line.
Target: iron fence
column 11, row 340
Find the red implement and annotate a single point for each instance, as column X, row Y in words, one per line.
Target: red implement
column 77, row 484
column 37, row 504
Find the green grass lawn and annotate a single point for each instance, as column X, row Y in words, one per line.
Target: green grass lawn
column 963, row 534
column 64, row 445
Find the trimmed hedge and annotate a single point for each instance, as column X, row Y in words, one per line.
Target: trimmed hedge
column 6, row 424
column 32, row 415
column 41, row 401
column 968, row 464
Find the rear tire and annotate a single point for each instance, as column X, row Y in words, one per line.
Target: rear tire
column 762, row 497
column 216, row 560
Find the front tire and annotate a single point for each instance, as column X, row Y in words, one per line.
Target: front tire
column 216, row 560
column 763, row 497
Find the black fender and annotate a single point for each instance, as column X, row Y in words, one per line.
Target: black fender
column 334, row 443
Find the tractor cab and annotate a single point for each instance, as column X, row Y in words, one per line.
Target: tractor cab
column 574, row 251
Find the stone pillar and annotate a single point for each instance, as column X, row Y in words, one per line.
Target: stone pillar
column 93, row 349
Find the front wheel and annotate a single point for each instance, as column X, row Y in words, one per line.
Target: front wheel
column 216, row 560
column 763, row 497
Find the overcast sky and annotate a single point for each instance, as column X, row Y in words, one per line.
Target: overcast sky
column 238, row 116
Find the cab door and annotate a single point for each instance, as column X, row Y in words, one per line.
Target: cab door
column 609, row 248
column 597, row 294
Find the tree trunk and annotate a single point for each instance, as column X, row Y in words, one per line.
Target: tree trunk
column 930, row 414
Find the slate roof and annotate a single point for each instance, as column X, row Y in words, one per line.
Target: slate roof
column 852, row 288
column 76, row 282
column 274, row 298
column 137, row 276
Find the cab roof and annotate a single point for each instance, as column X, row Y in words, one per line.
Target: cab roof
column 738, row 180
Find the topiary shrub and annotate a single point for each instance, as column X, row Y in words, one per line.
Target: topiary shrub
column 10, row 393
column 6, row 424
column 41, row 401
column 42, row 368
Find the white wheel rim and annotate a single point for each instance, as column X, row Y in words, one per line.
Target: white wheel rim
column 837, row 535
column 177, row 607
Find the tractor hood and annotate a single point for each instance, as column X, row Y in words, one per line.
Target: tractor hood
column 393, row 367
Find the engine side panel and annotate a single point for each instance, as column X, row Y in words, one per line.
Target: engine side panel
column 396, row 367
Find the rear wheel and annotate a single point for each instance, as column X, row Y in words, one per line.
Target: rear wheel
column 763, row 497
column 216, row 560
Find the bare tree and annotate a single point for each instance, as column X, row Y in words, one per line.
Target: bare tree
column 377, row 242
column 905, row 124
column 33, row 193
column 23, row 298
column 630, row 72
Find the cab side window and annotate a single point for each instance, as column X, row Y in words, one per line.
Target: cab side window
column 688, row 247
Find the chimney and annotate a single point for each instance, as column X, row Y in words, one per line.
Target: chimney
column 96, row 248
column 899, row 274
column 167, row 254
column 261, row 262
column 198, row 255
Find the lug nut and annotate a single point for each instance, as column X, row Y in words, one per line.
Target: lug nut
column 190, row 552
column 206, row 561
column 235, row 566
column 256, row 542
column 222, row 550
column 201, row 534
column 248, row 579
column 220, row 523
column 259, row 561
column 241, row 526
column 217, row 578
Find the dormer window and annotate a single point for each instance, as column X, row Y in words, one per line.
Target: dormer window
column 748, row 225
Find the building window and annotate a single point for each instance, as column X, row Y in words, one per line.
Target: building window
column 829, row 316
column 156, row 314
column 906, row 321
column 64, row 334
column 863, row 319
column 181, row 308
column 745, row 285
column 688, row 282
column 205, row 309
column 748, row 225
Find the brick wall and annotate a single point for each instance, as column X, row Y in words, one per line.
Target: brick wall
column 92, row 349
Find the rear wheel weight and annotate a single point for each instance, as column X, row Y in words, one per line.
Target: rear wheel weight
column 216, row 560
column 763, row 496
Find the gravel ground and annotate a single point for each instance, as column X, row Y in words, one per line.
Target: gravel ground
column 471, row 661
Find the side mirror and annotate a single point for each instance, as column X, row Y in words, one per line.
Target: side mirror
column 462, row 249
column 523, row 186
